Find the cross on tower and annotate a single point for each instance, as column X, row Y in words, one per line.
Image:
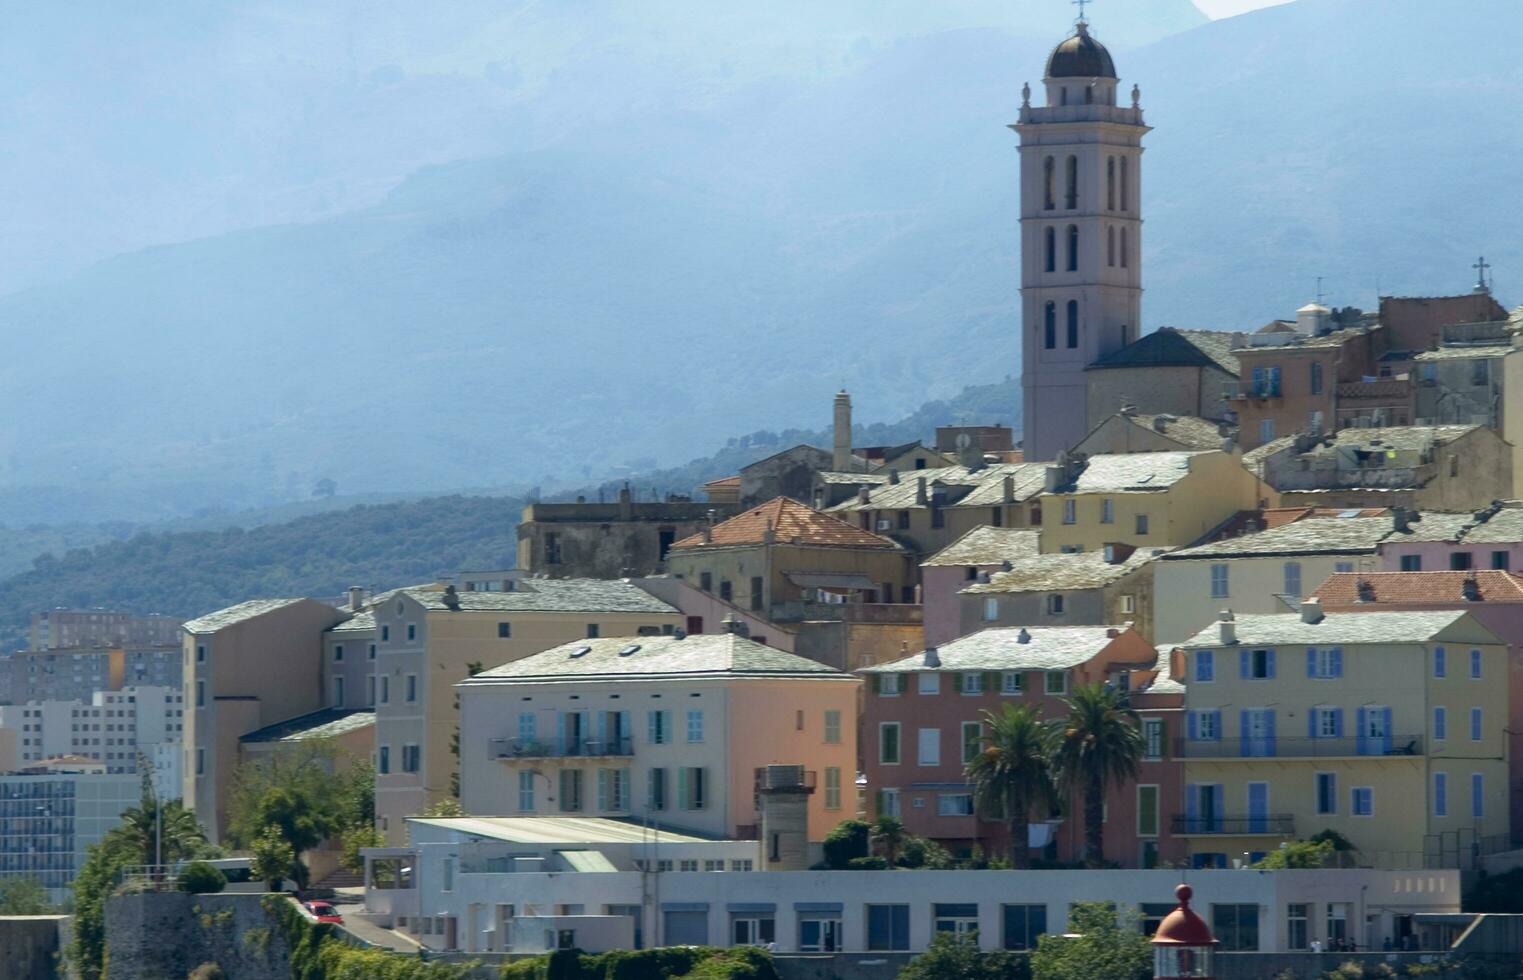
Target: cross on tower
column 1081, row 5
column 1480, row 267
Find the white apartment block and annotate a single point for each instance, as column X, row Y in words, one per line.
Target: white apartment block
column 113, row 727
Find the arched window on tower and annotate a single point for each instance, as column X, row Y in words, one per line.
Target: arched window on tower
column 1050, row 182
column 1110, row 245
column 1073, row 182
column 1073, row 323
column 1110, row 183
column 1051, row 242
column 1089, row 94
column 1126, row 189
column 1073, row 248
column 1123, row 248
column 1050, row 326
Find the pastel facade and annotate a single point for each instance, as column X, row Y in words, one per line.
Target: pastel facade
column 667, row 729
column 1093, row 588
column 1386, row 727
column 1184, row 373
column 1491, row 537
column 982, row 551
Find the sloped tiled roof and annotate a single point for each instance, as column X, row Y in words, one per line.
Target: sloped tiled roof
column 1309, row 536
column 985, row 545
column 722, row 482
column 232, row 615
column 987, row 483
column 1047, row 573
column 552, row 595
column 1171, row 347
column 707, row 654
column 1398, row 437
column 1418, row 588
column 790, row 521
column 360, row 621
column 1190, row 431
column 325, row 723
column 1432, row 526
column 1465, row 353
column 1132, row 472
column 1010, row 648
column 1336, row 627
column 1503, row 527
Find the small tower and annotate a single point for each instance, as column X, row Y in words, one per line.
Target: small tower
column 782, row 794
column 840, row 460
column 1183, row 947
column 1081, row 237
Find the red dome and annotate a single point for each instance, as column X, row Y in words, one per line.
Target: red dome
column 1182, row 927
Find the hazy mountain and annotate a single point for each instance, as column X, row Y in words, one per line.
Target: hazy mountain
column 702, row 223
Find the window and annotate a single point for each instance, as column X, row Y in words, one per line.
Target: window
column 928, row 682
column 1022, row 924
column 1071, row 197
column 338, row 692
column 1256, row 665
column 1236, row 926
column 1440, row 794
column 338, row 652
column 658, row 727
column 1440, row 665
column 972, row 740
column 888, row 685
column 1500, row 560
column 1343, row 566
column 1110, row 245
column 655, row 788
column 1477, row 795
column 1073, row 250
column 954, row 805
column 888, row 927
column 991, row 609
column 1266, row 430
column 1475, row 665
column 888, row 802
column 200, row 694
column 1070, row 512
column 1147, row 811
column 752, row 929
column 820, row 931
column 1012, row 682
column 1050, row 326
column 692, row 787
column 1316, row 378
column 1475, row 724
column 832, row 727
column 706, row 581
column 526, row 790
column 1107, row 511
column 1293, row 578
column 409, row 758
column 1362, row 801
column 756, row 592
column 1411, row 563
column 1440, row 723
column 695, row 726
column 1460, row 561
column 929, row 747
column 412, row 687
column 1073, row 324
column 570, row 790
column 1337, row 922
column 505, row 631
column 1142, row 523
column 383, row 760
column 971, row 682
column 1298, row 926
column 1324, row 663
column 370, row 653
column 1049, row 183
column 1110, row 183
column 888, row 743
column 726, row 591
column 1056, row 682
column 1325, row 722
column 613, row 790
column 957, row 918
column 412, row 631
column 1125, row 187
column 832, row 788
column 1327, row 793
column 1219, row 581
column 1050, row 242
column 1205, row 725
column 1055, row 604
column 1128, row 603
column 385, row 634
column 1152, row 738
column 1205, row 666
column 370, row 695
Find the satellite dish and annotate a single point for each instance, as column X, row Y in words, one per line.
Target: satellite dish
column 964, row 440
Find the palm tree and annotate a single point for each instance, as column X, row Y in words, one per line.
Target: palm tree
column 1098, row 744
column 1010, row 775
column 179, row 836
column 889, row 833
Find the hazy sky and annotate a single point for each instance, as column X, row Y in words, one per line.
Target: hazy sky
column 1218, row 9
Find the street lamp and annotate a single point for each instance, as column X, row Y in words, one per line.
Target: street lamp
column 1183, row 947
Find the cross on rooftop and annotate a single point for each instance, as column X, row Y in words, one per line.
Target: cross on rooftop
column 1081, row 5
column 1480, row 266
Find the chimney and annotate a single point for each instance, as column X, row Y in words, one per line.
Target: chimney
column 356, row 598
column 1052, row 479
column 864, row 495
column 1160, row 423
column 1366, row 590
column 970, row 456
column 708, row 534
column 769, row 535
column 1226, row 626
column 1007, row 565
column 451, row 598
column 893, row 478
column 931, row 657
column 982, row 578
column 1111, row 632
column 1130, row 411
column 1008, row 489
column 840, row 459
column 1311, row 610
column 626, row 508
column 920, row 494
column 1471, row 588
column 1024, row 636
column 782, row 798
column 1400, row 520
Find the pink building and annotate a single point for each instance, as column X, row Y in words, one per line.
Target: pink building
column 922, row 721
column 983, row 550
column 1495, row 598
column 1431, row 542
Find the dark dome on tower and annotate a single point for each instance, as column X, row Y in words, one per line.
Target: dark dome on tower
column 1080, row 56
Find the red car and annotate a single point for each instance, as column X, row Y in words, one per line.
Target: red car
column 323, row 912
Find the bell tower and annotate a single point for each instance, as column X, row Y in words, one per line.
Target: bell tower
column 1081, row 236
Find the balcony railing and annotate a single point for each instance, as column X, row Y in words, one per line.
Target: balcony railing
column 1234, row 390
column 785, row 778
column 1301, row 747
column 1271, row 824
column 557, row 748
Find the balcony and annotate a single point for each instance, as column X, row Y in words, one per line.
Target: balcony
column 1267, row 825
column 1349, row 747
column 1239, row 390
column 785, row 779
column 559, row 748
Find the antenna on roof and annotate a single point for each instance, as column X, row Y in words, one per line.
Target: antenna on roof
column 1319, row 291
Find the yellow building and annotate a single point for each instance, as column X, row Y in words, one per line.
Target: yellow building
column 1386, row 727
column 1154, row 499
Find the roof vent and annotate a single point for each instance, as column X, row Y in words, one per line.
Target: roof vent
column 1471, row 588
column 864, row 495
column 1007, row 565
column 1111, row 632
column 982, row 578
column 893, row 477
column 630, row 650
column 1024, row 636
column 451, row 598
column 679, row 633
column 1400, row 520
column 1311, row 610
column 1366, row 590
column 581, row 651
column 932, row 657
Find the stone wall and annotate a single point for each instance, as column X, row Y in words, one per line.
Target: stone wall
column 159, row 935
column 29, row 946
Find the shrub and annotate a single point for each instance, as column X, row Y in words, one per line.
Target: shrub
column 849, row 839
column 870, row 863
column 207, row 971
column 200, row 878
column 952, row 957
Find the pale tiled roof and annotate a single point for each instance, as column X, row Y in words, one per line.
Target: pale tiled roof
column 1431, row 526
column 552, row 595
column 358, row 622
column 987, row 545
column 1465, row 353
column 232, row 615
column 325, row 723
column 1334, row 628
column 1010, row 648
column 1060, row 572
column 555, row 830
column 987, row 484
column 1398, row 437
column 789, row 521
column 1188, row 430
column 1309, row 536
column 1132, row 472
column 1503, row 527
column 699, row 655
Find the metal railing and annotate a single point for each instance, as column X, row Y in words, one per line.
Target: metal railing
column 555, row 748
column 785, row 778
column 150, row 878
column 1276, row 824
column 1301, row 747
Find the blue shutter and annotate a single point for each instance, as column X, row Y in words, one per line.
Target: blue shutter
column 1269, row 664
column 1192, row 806
column 1311, row 661
column 1311, row 723
column 1362, row 739
column 1385, row 743
column 1216, row 724
column 1337, row 662
column 1337, row 722
column 560, row 732
column 682, row 788
column 1242, row 664
column 1269, row 730
column 1193, row 720
column 1242, row 730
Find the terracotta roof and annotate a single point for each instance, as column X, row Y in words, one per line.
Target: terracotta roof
column 790, row 521
column 1418, row 588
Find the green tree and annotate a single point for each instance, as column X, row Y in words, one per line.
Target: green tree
column 846, row 840
column 1097, row 745
column 1298, row 854
column 1102, row 945
column 1011, row 775
column 200, row 878
column 271, row 858
column 951, row 957
column 24, row 896
column 97, row 878
column 356, row 794
column 301, row 821
column 156, row 827
column 355, row 840
column 889, row 835
column 306, row 768
column 471, row 670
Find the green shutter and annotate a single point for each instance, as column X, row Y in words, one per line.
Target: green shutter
column 991, row 682
column 877, row 680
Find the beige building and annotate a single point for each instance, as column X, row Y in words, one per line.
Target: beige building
column 1386, row 727
column 1147, row 500
column 1092, row 588
column 245, row 667
column 427, row 640
column 783, row 558
column 665, row 729
column 926, row 510
column 1130, row 431
column 608, row 540
column 1169, row 371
